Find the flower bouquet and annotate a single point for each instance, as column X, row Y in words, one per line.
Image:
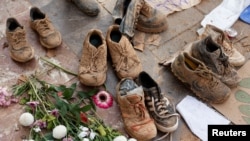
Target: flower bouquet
column 60, row 112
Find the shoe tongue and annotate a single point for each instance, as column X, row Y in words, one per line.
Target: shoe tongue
column 133, row 99
column 154, row 91
column 135, row 95
column 19, row 29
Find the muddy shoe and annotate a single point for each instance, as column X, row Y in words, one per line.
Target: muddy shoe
column 129, row 21
column 211, row 54
column 124, row 57
column 89, row 7
column 159, row 106
column 93, row 64
column 20, row 49
column 200, row 79
column 220, row 37
column 151, row 20
column 48, row 35
column 136, row 118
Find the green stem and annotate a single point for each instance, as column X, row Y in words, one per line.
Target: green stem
column 59, row 67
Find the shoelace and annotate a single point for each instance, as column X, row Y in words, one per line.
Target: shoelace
column 18, row 39
column 139, row 109
column 43, row 26
column 94, row 57
column 207, row 74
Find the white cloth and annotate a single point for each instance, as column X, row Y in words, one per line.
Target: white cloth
column 198, row 116
column 225, row 14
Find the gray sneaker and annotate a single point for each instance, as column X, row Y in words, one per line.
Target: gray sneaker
column 209, row 52
column 89, row 7
column 160, row 107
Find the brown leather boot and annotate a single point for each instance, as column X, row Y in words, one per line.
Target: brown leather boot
column 20, row 49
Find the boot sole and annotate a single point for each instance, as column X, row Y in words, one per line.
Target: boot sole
column 157, row 29
column 195, row 92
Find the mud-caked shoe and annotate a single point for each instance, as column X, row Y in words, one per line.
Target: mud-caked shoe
column 161, row 108
column 220, row 37
column 212, row 55
column 93, row 63
column 124, row 58
column 137, row 121
column 132, row 10
column 89, row 7
column 200, row 79
column 151, row 20
column 49, row 36
column 20, row 49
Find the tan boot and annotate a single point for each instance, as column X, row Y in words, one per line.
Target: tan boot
column 201, row 80
column 49, row 36
column 124, row 57
column 151, row 20
column 136, row 118
column 20, row 49
column 93, row 64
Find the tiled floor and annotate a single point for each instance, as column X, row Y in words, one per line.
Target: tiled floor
column 74, row 26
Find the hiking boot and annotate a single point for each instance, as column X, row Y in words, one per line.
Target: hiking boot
column 220, row 37
column 200, row 79
column 20, row 49
column 89, row 7
column 130, row 18
column 48, row 35
column 159, row 106
column 93, row 64
column 124, row 58
column 136, row 118
column 211, row 54
column 151, row 20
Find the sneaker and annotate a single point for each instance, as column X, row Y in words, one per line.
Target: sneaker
column 137, row 121
column 124, row 57
column 20, row 49
column 93, row 63
column 200, row 79
column 151, row 20
column 159, row 106
column 211, row 54
column 89, row 7
column 48, row 35
column 220, row 37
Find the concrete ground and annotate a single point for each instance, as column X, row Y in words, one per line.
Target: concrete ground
column 74, row 26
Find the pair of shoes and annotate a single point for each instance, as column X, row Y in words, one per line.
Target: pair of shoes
column 221, row 38
column 93, row 64
column 89, row 7
column 138, row 14
column 144, row 108
column 21, row 50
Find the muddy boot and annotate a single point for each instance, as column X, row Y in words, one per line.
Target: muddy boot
column 89, row 7
column 129, row 20
column 151, row 20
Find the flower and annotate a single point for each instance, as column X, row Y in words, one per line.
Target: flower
column 33, row 104
column 26, row 119
column 85, row 139
column 83, row 134
column 120, row 138
column 37, row 129
column 6, row 98
column 55, row 112
column 59, row 132
column 92, row 135
column 83, row 117
column 132, row 139
column 40, row 124
column 103, row 99
column 67, row 139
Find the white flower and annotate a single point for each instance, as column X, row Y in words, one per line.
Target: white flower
column 92, row 135
column 120, row 138
column 82, row 134
column 84, row 128
column 37, row 129
column 132, row 139
column 85, row 139
column 59, row 132
column 26, row 119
